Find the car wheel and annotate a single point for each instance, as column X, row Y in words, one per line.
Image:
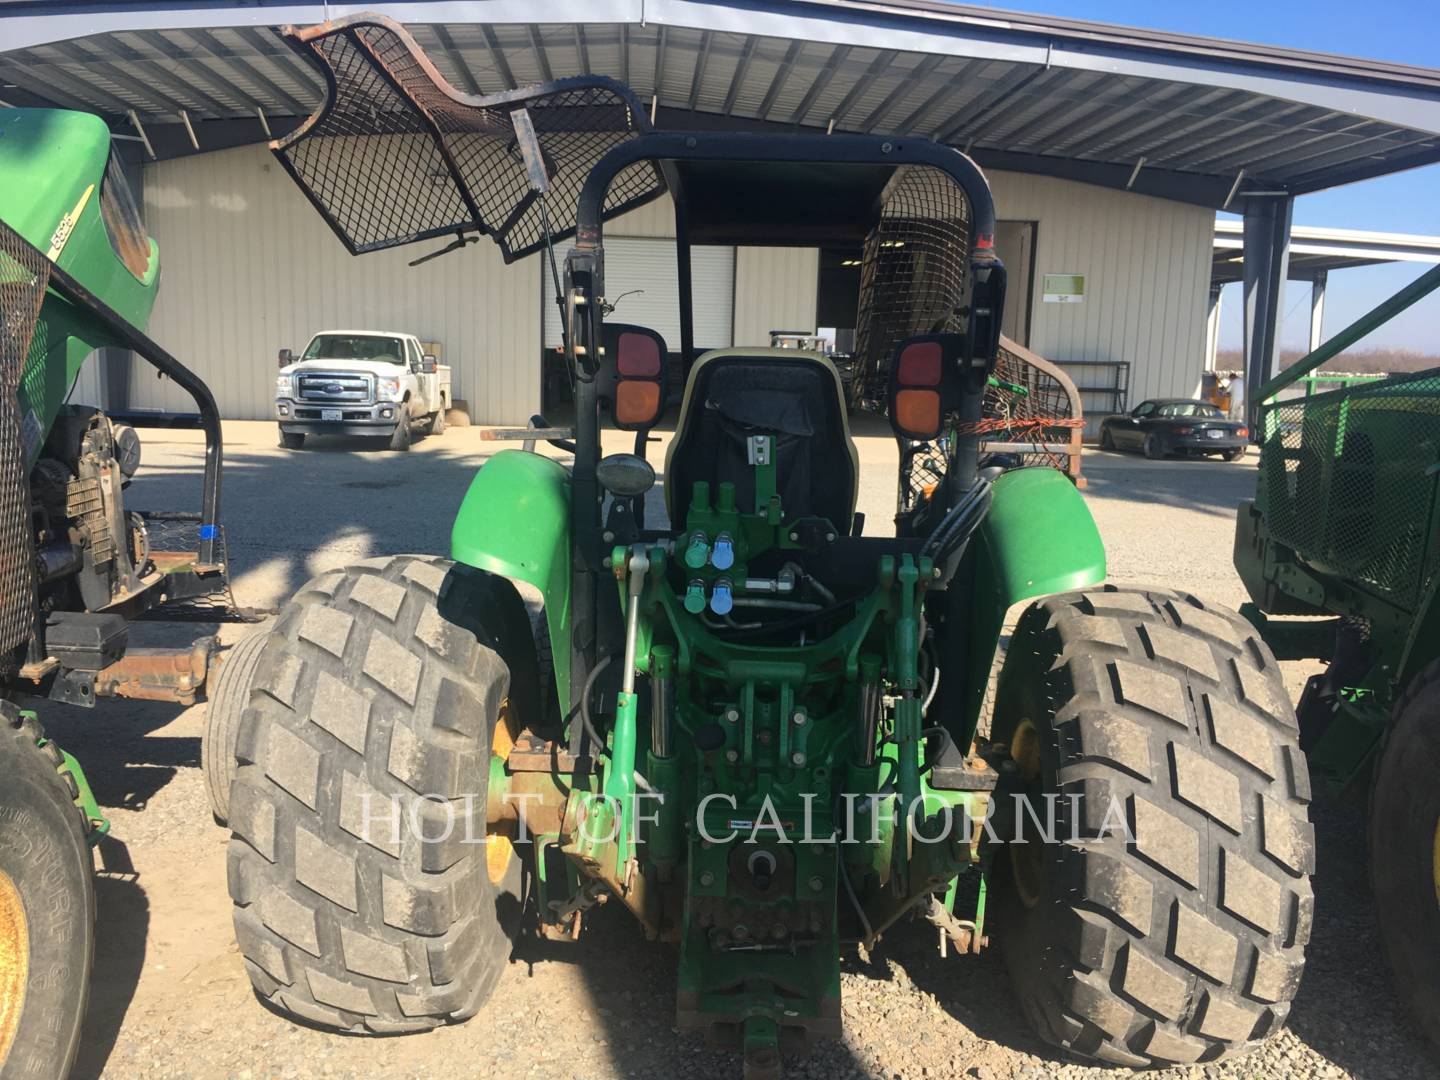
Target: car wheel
column 1153, row 450
column 437, row 421
column 1107, row 440
column 400, row 437
column 1234, row 455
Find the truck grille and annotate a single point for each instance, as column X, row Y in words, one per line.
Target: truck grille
column 337, row 388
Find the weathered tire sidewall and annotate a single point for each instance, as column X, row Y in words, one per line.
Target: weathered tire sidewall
column 1404, row 813
column 363, row 690
column 224, row 707
column 44, row 852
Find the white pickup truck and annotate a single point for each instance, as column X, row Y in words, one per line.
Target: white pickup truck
column 361, row 382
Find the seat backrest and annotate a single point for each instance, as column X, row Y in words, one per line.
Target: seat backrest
column 795, row 397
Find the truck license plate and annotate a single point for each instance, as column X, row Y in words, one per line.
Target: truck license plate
column 331, row 414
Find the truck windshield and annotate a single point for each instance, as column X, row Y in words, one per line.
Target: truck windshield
column 356, row 347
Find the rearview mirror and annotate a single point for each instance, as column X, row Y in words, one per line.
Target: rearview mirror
column 428, row 364
column 286, row 357
column 638, row 354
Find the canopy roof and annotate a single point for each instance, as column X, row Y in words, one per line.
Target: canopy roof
column 1185, row 117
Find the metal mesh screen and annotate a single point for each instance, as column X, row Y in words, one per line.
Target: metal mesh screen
column 396, row 154
column 24, row 274
column 180, row 531
column 913, row 274
column 1032, row 402
column 1348, row 481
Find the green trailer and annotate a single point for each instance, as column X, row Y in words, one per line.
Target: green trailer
column 1339, row 551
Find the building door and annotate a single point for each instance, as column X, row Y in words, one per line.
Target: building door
column 645, row 269
column 1015, row 244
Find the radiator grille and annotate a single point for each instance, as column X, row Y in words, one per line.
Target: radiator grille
column 24, row 273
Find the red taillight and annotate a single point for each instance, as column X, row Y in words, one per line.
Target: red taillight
column 1184, row 431
column 637, row 356
column 921, row 364
column 1243, row 432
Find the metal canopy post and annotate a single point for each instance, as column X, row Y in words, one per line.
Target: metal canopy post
column 1267, row 264
column 1212, row 325
column 1317, row 309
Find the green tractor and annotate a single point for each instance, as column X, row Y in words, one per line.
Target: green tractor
column 77, row 566
column 1344, row 525
column 760, row 729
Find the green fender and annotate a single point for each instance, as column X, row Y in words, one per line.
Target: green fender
column 1038, row 539
column 515, row 522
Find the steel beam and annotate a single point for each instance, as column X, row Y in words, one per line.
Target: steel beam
column 863, row 83
column 701, row 59
column 541, row 57
column 497, row 57
column 905, row 86
column 782, row 76
column 178, row 83
column 738, row 79
column 1267, row 263
column 207, row 42
column 1212, row 324
column 838, row 56
column 457, row 59
column 1317, row 309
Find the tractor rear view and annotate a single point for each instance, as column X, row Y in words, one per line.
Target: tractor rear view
column 1345, row 524
column 77, row 565
column 755, row 724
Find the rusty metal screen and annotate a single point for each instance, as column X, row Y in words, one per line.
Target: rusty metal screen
column 24, row 276
column 1032, row 409
column 1348, row 481
column 395, row 154
column 913, row 273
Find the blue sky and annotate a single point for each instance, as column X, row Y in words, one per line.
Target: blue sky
column 1406, row 202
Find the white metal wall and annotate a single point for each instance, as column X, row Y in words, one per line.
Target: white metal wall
column 249, row 267
column 1146, row 263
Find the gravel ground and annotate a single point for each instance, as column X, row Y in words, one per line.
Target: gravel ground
column 170, row 998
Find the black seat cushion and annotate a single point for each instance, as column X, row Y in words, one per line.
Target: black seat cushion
column 797, row 403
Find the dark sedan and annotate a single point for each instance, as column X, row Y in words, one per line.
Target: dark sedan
column 1164, row 426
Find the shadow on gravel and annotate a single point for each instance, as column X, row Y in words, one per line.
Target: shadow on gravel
column 122, row 922
column 632, row 984
column 125, row 762
column 1199, row 484
column 1346, row 1008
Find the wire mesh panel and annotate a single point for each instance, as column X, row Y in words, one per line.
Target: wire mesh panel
column 395, row 154
column 913, row 273
column 1033, row 409
column 1348, row 481
column 24, row 275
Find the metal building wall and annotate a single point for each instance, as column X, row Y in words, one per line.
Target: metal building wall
column 1146, row 263
column 248, row 267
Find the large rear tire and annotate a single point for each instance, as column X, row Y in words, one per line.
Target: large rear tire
column 226, row 704
column 366, row 700
column 1169, row 923
column 1405, row 850
column 47, row 905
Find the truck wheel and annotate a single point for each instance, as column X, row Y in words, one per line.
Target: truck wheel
column 437, row 421
column 292, row 440
column 227, row 701
column 367, row 895
column 1168, row 922
column 1405, row 849
column 47, row 905
column 400, row 437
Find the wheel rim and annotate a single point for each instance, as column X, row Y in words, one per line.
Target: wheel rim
column 14, row 962
column 1027, row 860
column 499, row 848
column 1435, row 861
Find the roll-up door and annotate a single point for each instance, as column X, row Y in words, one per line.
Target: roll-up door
column 649, row 266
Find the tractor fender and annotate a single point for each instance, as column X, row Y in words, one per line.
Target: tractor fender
column 1038, row 539
column 515, row 522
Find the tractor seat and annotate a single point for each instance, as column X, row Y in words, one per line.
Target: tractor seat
column 793, row 396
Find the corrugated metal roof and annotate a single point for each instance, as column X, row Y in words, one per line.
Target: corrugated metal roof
column 1187, row 117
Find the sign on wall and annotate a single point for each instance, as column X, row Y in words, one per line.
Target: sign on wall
column 1064, row 289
